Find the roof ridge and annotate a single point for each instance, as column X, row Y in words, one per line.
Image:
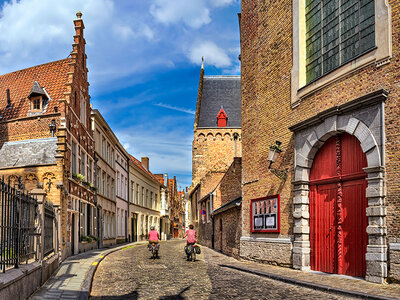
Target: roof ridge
column 47, row 63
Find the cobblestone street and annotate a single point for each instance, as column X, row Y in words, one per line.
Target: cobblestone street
column 132, row 274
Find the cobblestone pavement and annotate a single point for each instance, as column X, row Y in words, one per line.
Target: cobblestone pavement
column 132, row 274
column 72, row 279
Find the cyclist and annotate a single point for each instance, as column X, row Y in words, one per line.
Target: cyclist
column 191, row 235
column 154, row 236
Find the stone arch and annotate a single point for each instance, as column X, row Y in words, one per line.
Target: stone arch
column 12, row 180
column 227, row 135
column 210, row 136
column 309, row 141
column 49, row 181
column 316, row 138
column 31, row 181
column 218, row 136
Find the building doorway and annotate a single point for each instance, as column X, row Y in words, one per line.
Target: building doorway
column 338, row 205
column 134, row 228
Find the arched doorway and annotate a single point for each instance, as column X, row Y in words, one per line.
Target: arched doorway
column 338, row 203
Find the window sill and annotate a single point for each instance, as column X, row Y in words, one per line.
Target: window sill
column 337, row 74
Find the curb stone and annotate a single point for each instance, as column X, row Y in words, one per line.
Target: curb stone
column 314, row 286
column 86, row 287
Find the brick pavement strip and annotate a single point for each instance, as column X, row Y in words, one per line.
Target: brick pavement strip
column 131, row 274
column 73, row 278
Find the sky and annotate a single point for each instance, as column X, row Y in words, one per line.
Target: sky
column 144, row 60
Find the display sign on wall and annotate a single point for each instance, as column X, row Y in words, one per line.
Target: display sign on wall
column 265, row 214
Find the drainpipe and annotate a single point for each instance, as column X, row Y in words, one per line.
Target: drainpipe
column 127, row 214
column 212, row 220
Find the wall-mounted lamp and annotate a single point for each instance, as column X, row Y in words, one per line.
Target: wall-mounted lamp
column 273, row 154
column 52, row 127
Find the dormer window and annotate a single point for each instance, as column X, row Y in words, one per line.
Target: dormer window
column 36, row 104
column 38, row 98
column 222, row 118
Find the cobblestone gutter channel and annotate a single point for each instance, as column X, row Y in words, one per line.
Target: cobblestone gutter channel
column 311, row 285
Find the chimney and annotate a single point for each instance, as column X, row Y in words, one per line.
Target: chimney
column 145, row 162
column 8, row 98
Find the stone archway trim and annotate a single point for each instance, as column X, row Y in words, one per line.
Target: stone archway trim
column 310, row 135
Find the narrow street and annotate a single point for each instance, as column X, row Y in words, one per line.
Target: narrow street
column 132, row 274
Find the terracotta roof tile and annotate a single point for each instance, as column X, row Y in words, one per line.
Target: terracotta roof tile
column 139, row 164
column 51, row 76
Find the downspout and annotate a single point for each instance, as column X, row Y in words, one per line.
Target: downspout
column 212, row 220
column 99, row 243
column 127, row 214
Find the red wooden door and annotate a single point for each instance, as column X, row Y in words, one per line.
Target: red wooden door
column 323, row 237
column 338, row 207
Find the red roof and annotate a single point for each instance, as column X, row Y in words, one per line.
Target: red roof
column 139, row 164
column 160, row 178
column 51, row 76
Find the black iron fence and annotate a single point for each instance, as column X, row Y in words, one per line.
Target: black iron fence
column 18, row 213
column 48, row 215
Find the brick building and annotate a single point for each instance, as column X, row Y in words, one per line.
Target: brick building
column 46, row 139
column 325, row 83
column 216, row 142
column 165, row 226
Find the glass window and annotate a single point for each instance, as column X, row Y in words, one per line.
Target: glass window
column 73, row 158
column 90, row 171
column 103, row 190
column 137, row 194
column 108, row 154
column 336, row 33
column 36, row 103
column 103, row 148
column 113, row 189
column 82, row 163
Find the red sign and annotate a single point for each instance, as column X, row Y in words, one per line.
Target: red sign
column 265, row 214
column 202, row 212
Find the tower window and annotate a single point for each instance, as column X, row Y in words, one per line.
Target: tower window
column 222, row 118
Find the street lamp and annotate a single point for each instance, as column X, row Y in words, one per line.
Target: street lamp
column 273, row 154
column 52, row 127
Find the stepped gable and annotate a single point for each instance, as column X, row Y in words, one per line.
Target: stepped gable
column 51, row 76
column 220, row 92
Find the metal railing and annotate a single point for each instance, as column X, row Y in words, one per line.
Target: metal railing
column 18, row 212
column 48, row 215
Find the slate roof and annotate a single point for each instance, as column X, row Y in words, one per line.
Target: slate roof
column 220, row 91
column 51, row 76
column 28, row 153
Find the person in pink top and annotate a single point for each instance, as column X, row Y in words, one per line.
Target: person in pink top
column 191, row 235
column 154, row 237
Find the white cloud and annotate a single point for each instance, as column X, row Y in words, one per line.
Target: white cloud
column 185, row 110
column 193, row 13
column 213, row 55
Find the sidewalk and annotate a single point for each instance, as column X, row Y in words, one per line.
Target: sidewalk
column 73, row 278
column 332, row 283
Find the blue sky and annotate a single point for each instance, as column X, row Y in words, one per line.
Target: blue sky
column 144, row 61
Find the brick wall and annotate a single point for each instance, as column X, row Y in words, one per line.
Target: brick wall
column 228, row 231
column 213, row 151
column 266, row 51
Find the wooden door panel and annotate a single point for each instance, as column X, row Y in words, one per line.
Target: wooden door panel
column 354, row 227
column 324, row 164
column 323, row 228
column 353, row 158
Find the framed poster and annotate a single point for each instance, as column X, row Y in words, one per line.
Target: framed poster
column 265, row 214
